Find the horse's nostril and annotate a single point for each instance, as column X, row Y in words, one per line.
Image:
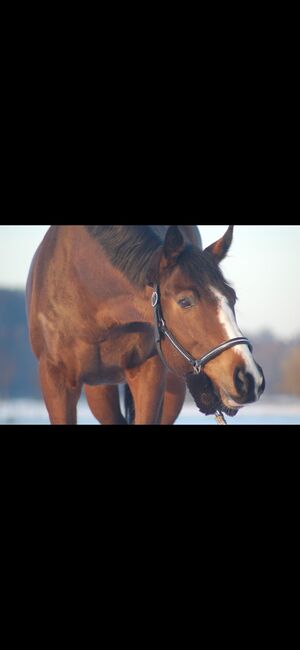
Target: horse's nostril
column 241, row 376
column 245, row 385
column 240, row 380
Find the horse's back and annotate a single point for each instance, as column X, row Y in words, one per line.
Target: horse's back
column 56, row 234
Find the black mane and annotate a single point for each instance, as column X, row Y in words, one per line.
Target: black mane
column 129, row 248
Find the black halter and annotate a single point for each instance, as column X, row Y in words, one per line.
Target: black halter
column 161, row 331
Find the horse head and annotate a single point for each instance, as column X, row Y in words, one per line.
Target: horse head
column 196, row 328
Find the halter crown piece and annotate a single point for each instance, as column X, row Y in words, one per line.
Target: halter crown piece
column 161, row 331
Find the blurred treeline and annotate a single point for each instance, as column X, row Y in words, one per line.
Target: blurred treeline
column 18, row 367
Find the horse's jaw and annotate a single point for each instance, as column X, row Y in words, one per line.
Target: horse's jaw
column 208, row 398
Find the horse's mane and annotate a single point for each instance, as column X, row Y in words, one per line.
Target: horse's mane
column 129, row 248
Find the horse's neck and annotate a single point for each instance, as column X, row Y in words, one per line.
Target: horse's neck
column 191, row 234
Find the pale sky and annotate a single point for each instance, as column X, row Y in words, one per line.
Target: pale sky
column 263, row 265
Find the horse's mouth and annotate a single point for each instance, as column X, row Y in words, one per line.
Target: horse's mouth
column 208, row 398
column 228, row 410
column 229, row 406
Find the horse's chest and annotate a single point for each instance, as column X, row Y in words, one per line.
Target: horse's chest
column 127, row 350
column 120, row 351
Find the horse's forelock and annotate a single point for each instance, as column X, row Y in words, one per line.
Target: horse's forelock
column 202, row 269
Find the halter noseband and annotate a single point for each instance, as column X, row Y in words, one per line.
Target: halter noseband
column 161, row 331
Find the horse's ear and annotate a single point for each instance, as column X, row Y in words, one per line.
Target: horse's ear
column 221, row 247
column 166, row 254
column 174, row 243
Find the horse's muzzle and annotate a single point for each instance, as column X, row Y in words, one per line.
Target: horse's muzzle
column 247, row 387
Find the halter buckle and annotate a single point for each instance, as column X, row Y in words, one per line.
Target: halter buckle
column 154, row 299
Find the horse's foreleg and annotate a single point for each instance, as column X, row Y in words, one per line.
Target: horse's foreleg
column 174, row 398
column 104, row 403
column 147, row 384
column 60, row 397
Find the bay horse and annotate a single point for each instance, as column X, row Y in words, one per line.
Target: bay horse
column 143, row 306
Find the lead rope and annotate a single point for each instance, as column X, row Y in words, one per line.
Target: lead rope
column 220, row 418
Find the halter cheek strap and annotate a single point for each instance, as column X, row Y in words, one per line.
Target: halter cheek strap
column 162, row 331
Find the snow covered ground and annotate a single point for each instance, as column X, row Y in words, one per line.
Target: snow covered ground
column 278, row 409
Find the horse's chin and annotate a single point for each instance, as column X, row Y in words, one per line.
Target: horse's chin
column 229, row 411
column 207, row 397
column 229, row 405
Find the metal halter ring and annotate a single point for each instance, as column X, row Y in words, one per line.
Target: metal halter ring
column 154, row 299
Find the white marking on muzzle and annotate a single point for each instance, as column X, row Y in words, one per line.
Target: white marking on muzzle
column 228, row 321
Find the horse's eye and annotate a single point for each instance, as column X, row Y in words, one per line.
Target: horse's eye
column 185, row 303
